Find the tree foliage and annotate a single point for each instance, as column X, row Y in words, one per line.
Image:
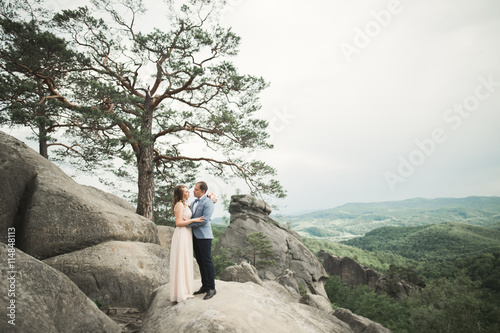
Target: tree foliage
column 157, row 103
column 36, row 65
column 459, row 295
column 260, row 248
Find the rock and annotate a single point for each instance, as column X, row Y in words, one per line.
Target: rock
column 393, row 286
column 15, row 178
column 317, row 301
column 352, row 273
column 118, row 274
column 129, row 319
column 56, row 215
column 250, row 215
column 237, row 307
column 242, row 273
column 282, row 293
column 359, row 324
column 112, row 198
column 165, row 234
column 247, row 204
column 46, row 300
column 288, row 280
column 349, row 270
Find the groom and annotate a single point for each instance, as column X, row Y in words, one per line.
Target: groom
column 202, row 239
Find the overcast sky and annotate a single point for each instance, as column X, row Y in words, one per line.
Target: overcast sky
column 374, row 100
column 359, row 87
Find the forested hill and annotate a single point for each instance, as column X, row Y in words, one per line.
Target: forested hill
column 356, row 219
column 442, row 241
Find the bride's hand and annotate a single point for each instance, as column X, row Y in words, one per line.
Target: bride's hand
column 199, row 219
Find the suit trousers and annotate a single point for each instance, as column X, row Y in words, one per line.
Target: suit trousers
column 203, row 253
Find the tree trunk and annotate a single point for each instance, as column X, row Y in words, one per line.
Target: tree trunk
column 42, row 128
column 146, row 164
column 42, row 140
column 146, row 182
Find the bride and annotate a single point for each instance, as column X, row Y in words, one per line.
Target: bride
column 181, row 251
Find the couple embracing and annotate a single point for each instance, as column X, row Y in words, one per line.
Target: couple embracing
column 193, row 232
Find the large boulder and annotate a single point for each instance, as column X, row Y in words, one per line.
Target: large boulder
column 165, row 234
column 317, row 301
column 359, row 324
column 242, row 273
column 393, row 286
column 53, row 214
column 118, row 274
column 353, row 273
column 100, row 194
column 15, row 178
column 250, row 215
column 237, row 307
column 42, row 299
column 349, row 270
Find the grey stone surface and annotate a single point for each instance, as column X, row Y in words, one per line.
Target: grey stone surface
column 57, row 215
column 243, row 272
column 359, row 324
column 165, row 234
column 236, row 307
column 46, row 300
column 119, row 274
column 317, row 301
column 352, row 273
column 15, row 180
column 249, row 215
column 349, row 270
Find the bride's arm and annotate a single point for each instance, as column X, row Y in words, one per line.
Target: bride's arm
column 179, row 220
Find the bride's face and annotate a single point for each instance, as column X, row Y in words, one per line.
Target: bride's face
column 186, row 193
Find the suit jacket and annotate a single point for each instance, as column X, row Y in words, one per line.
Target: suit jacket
column 203, row 230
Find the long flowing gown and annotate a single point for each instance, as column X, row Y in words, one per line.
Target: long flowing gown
column 181, row 262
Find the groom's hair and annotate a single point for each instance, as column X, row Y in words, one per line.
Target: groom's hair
column 203, row 186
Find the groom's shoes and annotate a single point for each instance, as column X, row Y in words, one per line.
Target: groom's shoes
column 201, row 291
column 211, row 293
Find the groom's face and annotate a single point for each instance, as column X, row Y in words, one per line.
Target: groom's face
column 197, row 192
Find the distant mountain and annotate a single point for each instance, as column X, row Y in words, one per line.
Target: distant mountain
column 442, row 241
column 356, row 219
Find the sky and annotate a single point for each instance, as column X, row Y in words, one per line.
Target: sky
column 371, row 100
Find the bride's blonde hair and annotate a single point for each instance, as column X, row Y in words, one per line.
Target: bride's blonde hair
column 178, row 196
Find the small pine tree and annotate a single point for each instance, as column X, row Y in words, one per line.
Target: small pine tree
column 261, row 246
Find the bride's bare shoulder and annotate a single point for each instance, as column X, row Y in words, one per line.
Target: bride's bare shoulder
column 180, row 204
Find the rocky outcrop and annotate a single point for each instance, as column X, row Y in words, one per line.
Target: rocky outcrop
column 237, row 307
column 165, row 234
column 349, row 270
column 393, row 286
column 92, row 237
column 53, row 214
column 242, row 273
column 295, row 266
column 353, row 273
column 118, row 274
column 111, row 197
column 15, row 178
column 45, row 300
column 104, row 252
column 316, row 301
column 359, row 324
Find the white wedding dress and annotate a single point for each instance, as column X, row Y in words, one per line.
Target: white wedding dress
column 181, row 262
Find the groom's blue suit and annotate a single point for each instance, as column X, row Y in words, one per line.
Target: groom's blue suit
column 202, row 241
column 205, row 207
